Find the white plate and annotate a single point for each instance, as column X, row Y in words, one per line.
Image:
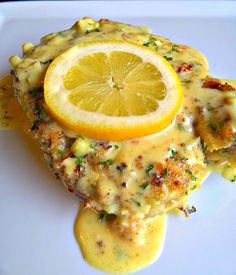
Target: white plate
column 37, row 214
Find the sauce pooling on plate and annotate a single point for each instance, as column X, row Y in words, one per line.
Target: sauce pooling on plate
column 11, row 113
column 105, row 250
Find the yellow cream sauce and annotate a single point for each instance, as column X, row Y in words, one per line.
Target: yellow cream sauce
column 11, row 113
column 103, row 249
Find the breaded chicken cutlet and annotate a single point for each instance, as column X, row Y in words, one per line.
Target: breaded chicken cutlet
column 137, row 179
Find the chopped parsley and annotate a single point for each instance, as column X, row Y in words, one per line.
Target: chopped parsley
column 204, row 146
column 40, row 112
column 186, row 81
column 36, row 91
column 173, row 153
column 138, row 204
column 80, row 161
column 149, row 169
column 120, row 254
column 182, row 159
column 119, row 30
column 117, row 146
column 174, row 48
column 60, row 152
column 146, row 43
column 107, row 162
column 92, row 146
column 233, row 179
column 180, row 127
column 220, row 124
column 166, row 173
column 168, row 57
column 103, row 216
column 153, row 42
column 193, row 178
column 188, row 172
column 144, row 185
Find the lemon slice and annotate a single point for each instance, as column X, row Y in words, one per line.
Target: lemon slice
column 112, row 90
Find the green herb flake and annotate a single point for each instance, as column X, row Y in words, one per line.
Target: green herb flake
column 149, row 169
column 103, row 216
column 174, row 48
column 146, row 43
column 144, row 185
column 180, row 127
column 60, row 152
column 233, row 179
column 153, row 43
column 121, row 254
column 193, row 178
column 117, row 146
column 168, row 57
column 150, row 41
column 186, row 81
column 119, row 30
column 166, row 173
column 204, row 146
column 184, row 159
column 80, row 161
column 110, row 161
column 40, row 112
column 188, row 172
column 138, row 204
column 173, row 153
column 220, row 124
column 107, row 162
column 194, row 187
column 36, row 91
column 92, row 146
column 212, row 126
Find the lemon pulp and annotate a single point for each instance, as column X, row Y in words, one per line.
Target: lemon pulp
column 115, row 84
column 112, row 90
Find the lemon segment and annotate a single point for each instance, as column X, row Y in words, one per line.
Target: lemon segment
column 112, row 90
